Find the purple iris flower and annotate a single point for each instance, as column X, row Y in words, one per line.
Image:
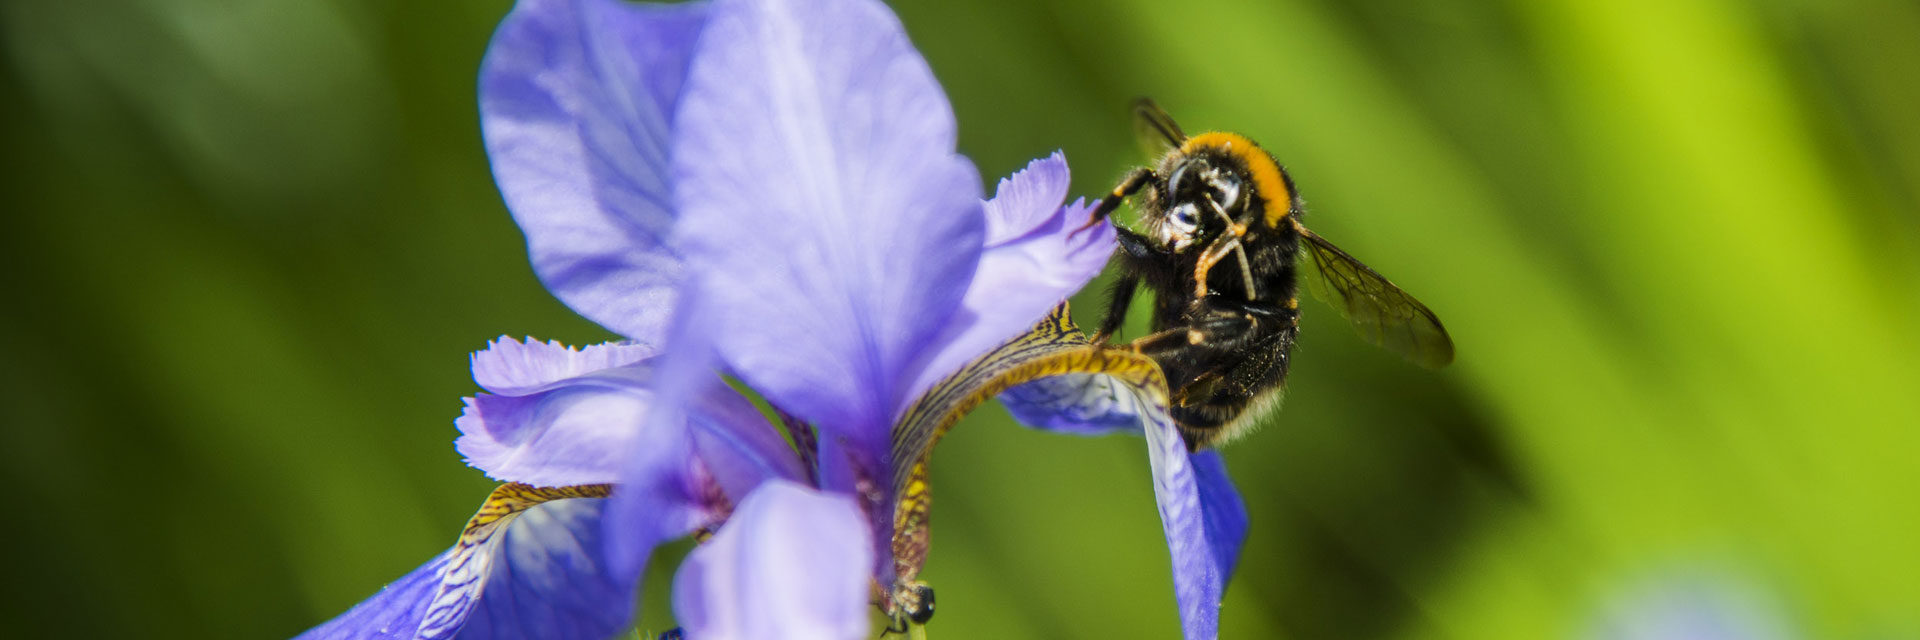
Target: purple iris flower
column 766, row 189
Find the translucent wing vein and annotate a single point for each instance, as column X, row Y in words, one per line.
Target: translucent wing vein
column 1382, row 313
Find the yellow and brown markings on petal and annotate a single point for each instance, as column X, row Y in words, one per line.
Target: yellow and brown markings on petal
column 509, row 500
column 911, row 533
column 1053, row 347
column 471, row 558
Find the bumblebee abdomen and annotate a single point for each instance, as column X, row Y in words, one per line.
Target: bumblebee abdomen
column 1221, row 420
column 1244, row 392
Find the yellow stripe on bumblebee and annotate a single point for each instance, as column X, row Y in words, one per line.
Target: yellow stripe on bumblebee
column 1267, row 177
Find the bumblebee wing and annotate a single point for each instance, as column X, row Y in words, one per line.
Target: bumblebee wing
column 1380, row 312
column 1155, row 130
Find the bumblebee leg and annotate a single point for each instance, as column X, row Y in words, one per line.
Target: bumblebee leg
column 1202, row 387
column 1134, row 181
column 1186, row 363
column 1207, row 343
column 1136, row 247
column 1138, row 258
column 1159, row 342
column 1220, row 331
column 1216, row 252
column 1215, row 326
column 1213, row 255
column 1118, row 300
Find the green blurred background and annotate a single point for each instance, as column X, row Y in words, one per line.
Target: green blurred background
column 249, row 245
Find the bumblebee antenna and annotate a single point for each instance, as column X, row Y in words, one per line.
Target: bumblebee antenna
column 1246, row 272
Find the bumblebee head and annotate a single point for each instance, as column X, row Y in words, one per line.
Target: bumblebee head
column 1217, row 182
column 1205, row 194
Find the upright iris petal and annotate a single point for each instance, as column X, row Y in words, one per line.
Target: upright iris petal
column 842, row 228
column 1033, row 258
column 576, row 104
column 845, row 251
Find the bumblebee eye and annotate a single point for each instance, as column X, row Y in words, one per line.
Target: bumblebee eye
column 1173, row 181
column 1225, row 190
column 1184, row 218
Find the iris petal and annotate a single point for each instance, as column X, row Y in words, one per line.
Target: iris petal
column 1091, row 389
column 791, row 563
column 1202, row 557
column 815, row 168
column 696, row 416
column 557, row 416
column 537, row 571
column 549, row 580
column 512, row 367
column 1029, row 199
column 542, row 429
column 394, row 613
column 576, row 102
column 574, row 432
column 1224, row 513
column 1077, row 403
column 1033, row 259
column 1200, row 510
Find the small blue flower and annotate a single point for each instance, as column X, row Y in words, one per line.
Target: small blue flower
column 768, row 190
column 1694, row 600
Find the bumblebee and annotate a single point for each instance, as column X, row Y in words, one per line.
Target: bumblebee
column 1221, row 250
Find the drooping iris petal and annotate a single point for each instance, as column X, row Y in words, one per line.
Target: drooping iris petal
column 549, row 580
column 394, row 613
column 1200, row 511
column 815, row 171
column 1225, row 515
column 789, row 564
column 538, row 572
column 1033, row 259
column 1077, row 403
column 576, row 103
column 1199, row 577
